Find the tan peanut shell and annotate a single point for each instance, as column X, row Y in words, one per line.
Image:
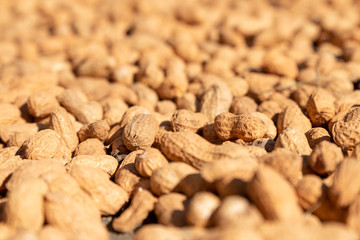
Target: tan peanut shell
column 108, row 196
column 166, row 178
column 102, row 162
column 200, row 208
column 345, row 187
column 190, row 148
column 286, row 162
column 142, row 203
column 292, row 116
column 91, row 146
column 235, row 210
column 67, row 214
column 185, row 120
column 150, row 160
column 41, row 104
column 310, row 191
column 170, row 209
column 273, row 195
column 215, row 101
column 140, row 132
column 25, row 205
column 46, row 144
column 243, row 168
column 325, row 157
column 126, row 175
column 61, row 123
column 99, row 129
column 294, row 140
column 317, row 135
column 245, row 127
column 320, row 107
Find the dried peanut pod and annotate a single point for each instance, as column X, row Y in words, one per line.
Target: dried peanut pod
column 141, row 205
column 243, row 168
column 302, row 94
column 325, row 157
column 46, row 144
column 317, row 135
column 294, row 140
column 162, row 232
column 114, row 109
column 180, row 147
column 235, row 211
column 346, row 133
column 187, row 101
column 210, row 135
column 9, row 114
column 76, row 103
column 150, row 160
column 243, row 105
column 150, row 74
column 166, row 178
column 25, row 205
column 24, row 129
column 18, row 138
column 108, row 196
column 238, row 86
column 320, row 107
column 286, row 162
column 66, row 184
column 216, row 100
column 124, row 74
column 126, row 175
column 200, row 208
column 53, row 233
column 99, row 129
column 353, row 215
column 7, row 153
column 273, row 195
column 13, row 162
column 41, row 104
column 146, row 95
column 245, row 126
column 310, row 192
column 61, row 123
column 356, row 152
column 278, row 63
column 96, row 67
column 91, row 146
column 103, row 162
column 175, row 83
column 271, row 128
column 185, row 120
column 67, row 214
column 292, row 116
column 165, row 107
column 4, row 176
column 271, row 109
column 140, row 132
column 170, row 209
column 33, row 169
column 345, row 188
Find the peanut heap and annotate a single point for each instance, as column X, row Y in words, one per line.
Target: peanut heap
column 180, row 119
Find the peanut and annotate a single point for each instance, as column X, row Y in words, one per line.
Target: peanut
column 142, row 203
column 108, row 196
column 245, row 127
column 180, row 147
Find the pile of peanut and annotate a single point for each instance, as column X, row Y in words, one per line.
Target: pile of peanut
column 180, row 119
